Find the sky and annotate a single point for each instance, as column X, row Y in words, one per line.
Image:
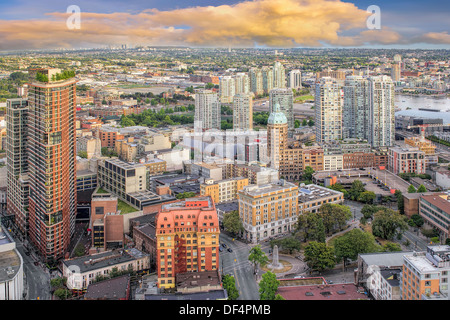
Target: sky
column 31, row 24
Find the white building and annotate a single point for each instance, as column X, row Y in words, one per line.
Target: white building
column 207, row 110
column 227, row 89
column 11, row 269
column 381, row 111
column 295, row 79
column 81, row 272
column 328, row 110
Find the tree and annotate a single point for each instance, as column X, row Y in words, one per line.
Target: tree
column 368, row 211
column 388, row 223
column 232, row 222
column 367, row 197
column 421, row 189
column 127, row 122
column 400, row 201
column 334, row 216
column 297, row 123
column 310, row 226
column 356, row 189
column 308, row 173
column 229, row 284
column 310, row 123
column 411, row 189
column 352, row 243
column 62, row 293
column 416, row 221
column 257, row 256
column 319, row 256
column 304, row 123
column 289, row 244
column 391, row 247
column 268, row 286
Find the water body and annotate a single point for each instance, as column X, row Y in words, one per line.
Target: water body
column 423, row 102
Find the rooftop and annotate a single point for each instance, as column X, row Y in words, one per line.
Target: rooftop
column 260, row 190
column 196, row 279
column 322, row 292
column 103, row 260
column 111, row 289
column 313, row 192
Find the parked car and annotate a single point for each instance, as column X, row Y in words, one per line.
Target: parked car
column 230, row 250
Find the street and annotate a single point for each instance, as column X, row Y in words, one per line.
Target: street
column 236, row 264
column 36, row 278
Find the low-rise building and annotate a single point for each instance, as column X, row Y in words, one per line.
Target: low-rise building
column 311, row 197
column 268, row 210
column 435, row 210
column 223, row 190
column 404, row 160
column 81, row 272
column 425, row 275
column 11, row 268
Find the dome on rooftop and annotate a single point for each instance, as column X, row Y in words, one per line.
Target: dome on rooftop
column 277, row 117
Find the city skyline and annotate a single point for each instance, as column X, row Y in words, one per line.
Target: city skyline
column 274, row 24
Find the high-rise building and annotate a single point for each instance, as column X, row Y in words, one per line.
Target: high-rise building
column 396, row 71
column 187, row 239
column 285, row 98
column 207, row 110
column 328, row 110
column 256, row 81
column 241, row 83
column 243, row 112
column 355, row 111
column 279, row 75
column 227, row 89
column 381, row 111
column 267, row 78
column 295, row 79
column 277, row 135
column 52, row 161
column 17, row 161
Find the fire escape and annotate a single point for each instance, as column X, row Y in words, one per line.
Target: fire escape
column 180, row 255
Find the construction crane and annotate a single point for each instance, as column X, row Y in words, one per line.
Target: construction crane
column 424, row 126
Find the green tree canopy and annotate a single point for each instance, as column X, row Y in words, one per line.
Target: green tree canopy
column 229, row 284
column 289, row 244
column 352, row 243
column 411, row 189
column 367, row 197
column 232, row 222
column 334, row 216
column 356, row 189
column 310, row 226
column 268, row 286
column 308, row 173
column 319, row 256
column 257, row 256
column 421, row 189
column 388, row 223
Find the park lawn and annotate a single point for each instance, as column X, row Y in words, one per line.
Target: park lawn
column 304, row 98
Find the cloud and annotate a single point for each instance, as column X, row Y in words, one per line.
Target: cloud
column 435, row 37
column 272, row 23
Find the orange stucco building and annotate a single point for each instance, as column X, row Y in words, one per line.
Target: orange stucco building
column 187, row 235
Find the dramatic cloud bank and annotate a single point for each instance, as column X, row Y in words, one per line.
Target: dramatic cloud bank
column 272, row 23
